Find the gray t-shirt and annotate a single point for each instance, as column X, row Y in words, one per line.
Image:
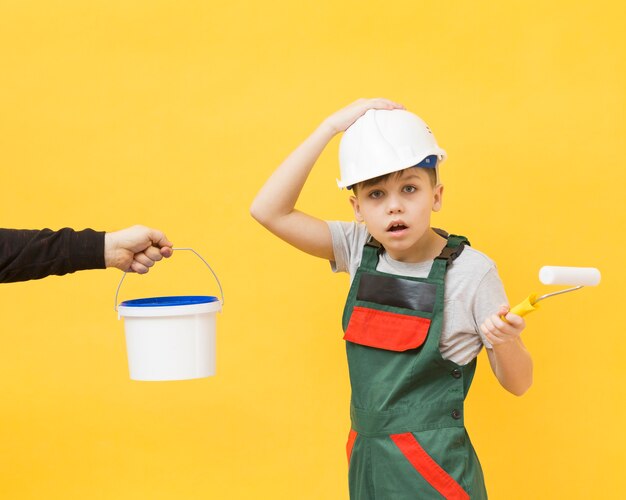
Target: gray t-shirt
column 473, row 288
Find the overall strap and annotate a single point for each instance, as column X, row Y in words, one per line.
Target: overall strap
column 371, row 251
column 451, row 251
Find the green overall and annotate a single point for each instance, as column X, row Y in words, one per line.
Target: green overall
column 408, row 439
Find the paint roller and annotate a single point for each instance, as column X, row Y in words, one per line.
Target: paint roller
column 558, row 275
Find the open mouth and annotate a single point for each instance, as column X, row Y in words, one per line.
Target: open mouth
column 394, row 228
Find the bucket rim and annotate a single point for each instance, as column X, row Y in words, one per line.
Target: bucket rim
column 170, row 301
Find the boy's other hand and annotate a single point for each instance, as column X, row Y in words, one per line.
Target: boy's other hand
column 342, row 119
column 135, row 249
column 503, row 327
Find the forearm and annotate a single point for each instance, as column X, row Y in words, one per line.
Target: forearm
column 274, row 205
column 33, row 254
column 279, row 194
column 513, row 366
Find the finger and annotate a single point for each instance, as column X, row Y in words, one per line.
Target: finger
column 491, row 333
column 494, row 339
column 143, row 259
column 497, row 328
column 488, row 326
column 167, row 251
column 515, row 320
column 159, row 239
column 153, row 253
column 138, row 267
column 484, row 329
column 382, row 103
column 491, row 339
column 504, row 309
column 503, row 325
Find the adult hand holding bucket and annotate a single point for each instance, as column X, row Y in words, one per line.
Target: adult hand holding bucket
column 171, row 338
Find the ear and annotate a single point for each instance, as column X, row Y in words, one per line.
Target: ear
column 357, row 209
column 437, row 197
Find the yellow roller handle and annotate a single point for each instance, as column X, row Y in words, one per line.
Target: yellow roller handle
column 528, row 305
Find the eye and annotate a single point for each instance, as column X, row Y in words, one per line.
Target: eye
column 375, row 194
column 409, row 189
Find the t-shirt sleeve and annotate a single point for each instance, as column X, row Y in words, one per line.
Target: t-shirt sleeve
column 490, row 295
column 348, row 240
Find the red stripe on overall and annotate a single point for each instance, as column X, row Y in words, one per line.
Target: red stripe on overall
column 428, row 468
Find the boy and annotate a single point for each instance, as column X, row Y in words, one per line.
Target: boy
column 411, row 359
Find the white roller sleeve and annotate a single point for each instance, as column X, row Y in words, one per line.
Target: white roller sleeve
column 556, row 275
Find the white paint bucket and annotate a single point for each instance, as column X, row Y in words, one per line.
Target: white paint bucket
column 170, row 338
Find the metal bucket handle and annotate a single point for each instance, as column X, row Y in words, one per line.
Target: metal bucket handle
column 176, row 249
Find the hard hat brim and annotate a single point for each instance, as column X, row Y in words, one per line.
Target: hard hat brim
column 407, row 163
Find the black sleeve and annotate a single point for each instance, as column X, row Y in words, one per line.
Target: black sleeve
column 33, row 254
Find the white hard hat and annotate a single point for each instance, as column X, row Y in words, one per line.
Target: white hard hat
column 384, row 141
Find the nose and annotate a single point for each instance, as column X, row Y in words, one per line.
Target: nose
column 394, row 205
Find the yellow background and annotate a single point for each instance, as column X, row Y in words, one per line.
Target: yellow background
column 172, row 114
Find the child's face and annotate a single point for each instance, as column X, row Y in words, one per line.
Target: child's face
column 396, row 211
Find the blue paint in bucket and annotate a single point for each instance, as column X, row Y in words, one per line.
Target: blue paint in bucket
column 176, row 300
